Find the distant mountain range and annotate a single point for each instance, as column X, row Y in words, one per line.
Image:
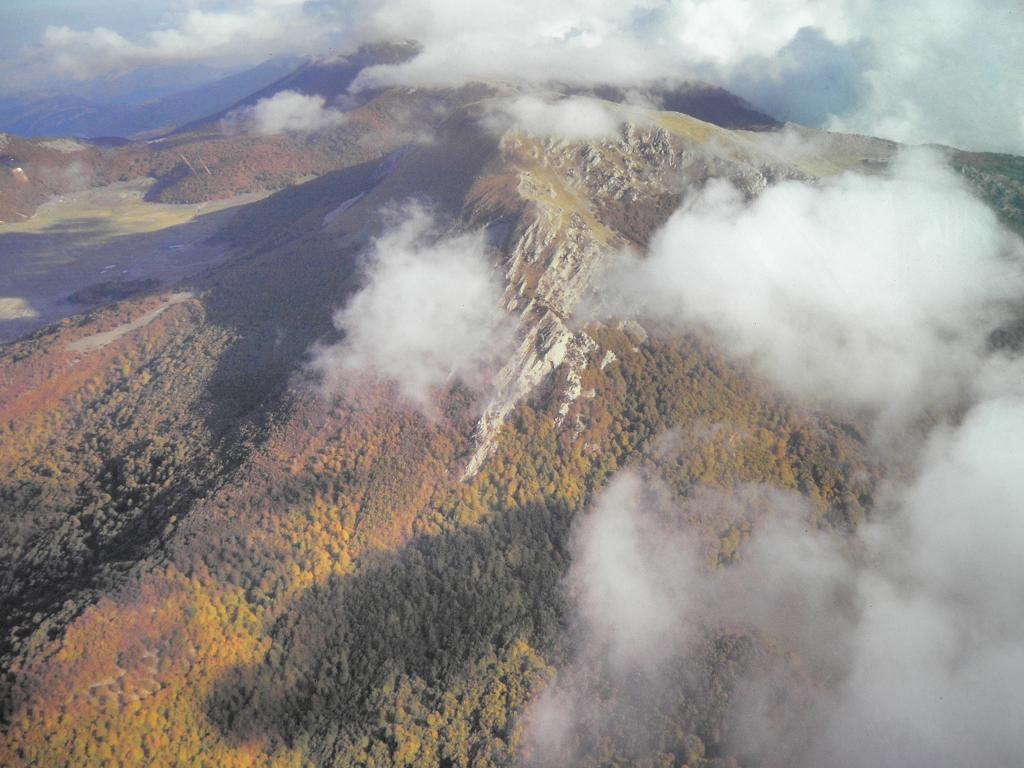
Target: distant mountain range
column 73, row 115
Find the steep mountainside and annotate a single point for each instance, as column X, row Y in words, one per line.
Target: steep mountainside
column 207, row 559
column 217, row 162
column 326, row 77
column 32, row 171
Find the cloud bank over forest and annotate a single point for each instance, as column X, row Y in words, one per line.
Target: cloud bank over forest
column 909, row 646
column 899, row 643
column 873, row 292
column 286, row 111
column 942, row 71
column 428, row 314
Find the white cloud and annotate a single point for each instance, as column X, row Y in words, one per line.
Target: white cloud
column 247, row 31
column 909, row 652
column 955, row 79
column 86, row 54
column 875, row 292
column 627, row 608
column 645, row 602
column 429, row 313
column 937, row 650
column 863, row 65
column 901, row 644
column 631, row 622
column 575, row 118
column 286, row 111
column 725, row 33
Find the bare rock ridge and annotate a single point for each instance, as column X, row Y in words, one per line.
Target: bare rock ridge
column 559, row 208
column 582, row 201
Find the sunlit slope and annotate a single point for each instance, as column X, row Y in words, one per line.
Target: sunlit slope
column 208, row 562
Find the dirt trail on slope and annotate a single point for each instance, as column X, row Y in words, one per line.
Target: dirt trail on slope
column 100, row 340
column 100, row 243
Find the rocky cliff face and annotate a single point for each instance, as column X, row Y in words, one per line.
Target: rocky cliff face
column 580, row 202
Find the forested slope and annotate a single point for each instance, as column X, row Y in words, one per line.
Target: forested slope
column 208, row 560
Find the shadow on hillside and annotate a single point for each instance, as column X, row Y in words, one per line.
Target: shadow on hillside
column 263, row 309
column 275, row 298
column 83, row 226
column 271, row 305
column 278, row 296
column 68, row 258
column 430, row 613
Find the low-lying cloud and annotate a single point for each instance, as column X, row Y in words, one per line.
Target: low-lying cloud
column 427, row 316
column 871, row 67
column 939, row 647
column 898, row 644
column 863, row 65
column 286, row 111
column 575, row 118
column 875, row 292
column 646, row 605
column 909, row 646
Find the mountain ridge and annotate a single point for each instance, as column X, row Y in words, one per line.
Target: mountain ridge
column 208, row 557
